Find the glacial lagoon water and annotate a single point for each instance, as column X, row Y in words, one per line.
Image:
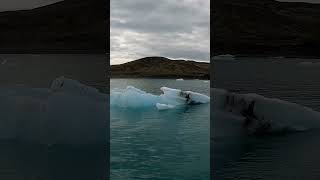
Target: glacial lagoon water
column 147, row 143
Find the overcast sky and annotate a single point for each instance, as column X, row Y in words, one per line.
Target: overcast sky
column 170, row 28
column 9, row 5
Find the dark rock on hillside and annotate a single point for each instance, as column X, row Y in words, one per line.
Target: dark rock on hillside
column 68, row 26
column 265, row 27
column 160, row 67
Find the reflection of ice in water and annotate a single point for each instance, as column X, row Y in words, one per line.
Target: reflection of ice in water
column 132, row 97
column 68, row 112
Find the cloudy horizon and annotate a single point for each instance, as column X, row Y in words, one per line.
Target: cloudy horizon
column 177, row 29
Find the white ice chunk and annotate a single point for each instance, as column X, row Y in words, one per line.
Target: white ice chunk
column 69, row 113
column 132, row 97
column 164, row 106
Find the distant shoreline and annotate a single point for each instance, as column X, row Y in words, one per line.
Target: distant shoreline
column 266, row 27
column 161, row 68
column 141, row 77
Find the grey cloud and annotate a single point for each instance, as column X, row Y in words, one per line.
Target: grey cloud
column 171, row 28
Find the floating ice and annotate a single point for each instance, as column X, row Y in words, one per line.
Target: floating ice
column 180, row 79
column 67, row 113
column 4, row 61
column 262, row 115
column 224, row 57
column 66, row 85
column 164, row 106
column 132, row 97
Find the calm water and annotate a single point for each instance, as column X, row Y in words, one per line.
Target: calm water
column 152, row 144
column 293, row 156
column 23, row 157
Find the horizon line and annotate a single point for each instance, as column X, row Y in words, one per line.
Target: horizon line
column 172, row 59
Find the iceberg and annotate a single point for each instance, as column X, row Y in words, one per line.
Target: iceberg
column 262, row 115
column 67, row 113
column 224, row 57
column 132, row 97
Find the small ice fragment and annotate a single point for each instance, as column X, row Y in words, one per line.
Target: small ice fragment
column 4, row 62
column 224, row 57
column 164, row 106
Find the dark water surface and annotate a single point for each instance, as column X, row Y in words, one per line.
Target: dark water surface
column 22, row 159
column 292, row 156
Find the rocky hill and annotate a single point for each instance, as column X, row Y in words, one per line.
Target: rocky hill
column 265, row 27
column 68, row 26
column 160, row 67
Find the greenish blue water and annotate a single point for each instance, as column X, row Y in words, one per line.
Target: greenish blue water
column 152, row 144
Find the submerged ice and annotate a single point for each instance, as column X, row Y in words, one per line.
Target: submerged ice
column 132, row 97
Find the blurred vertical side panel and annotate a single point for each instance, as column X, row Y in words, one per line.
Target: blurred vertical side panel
column 265, row 116
column 54, row 86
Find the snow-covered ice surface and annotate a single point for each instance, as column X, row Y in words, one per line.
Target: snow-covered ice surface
column 67, row 113
column 132, row 97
